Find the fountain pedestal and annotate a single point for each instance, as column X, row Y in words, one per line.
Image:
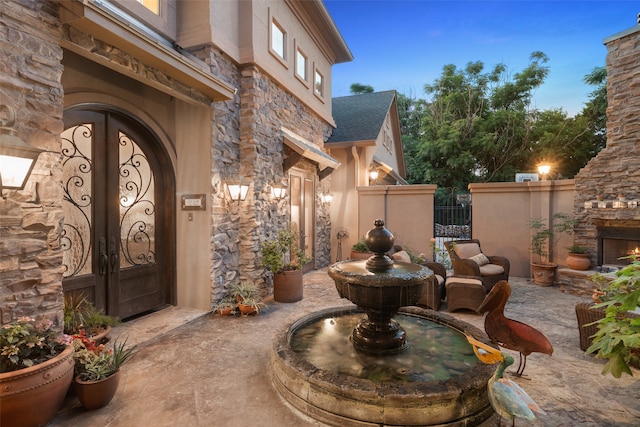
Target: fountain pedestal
column 379, row 287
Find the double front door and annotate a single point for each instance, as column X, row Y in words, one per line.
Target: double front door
column 115, row 235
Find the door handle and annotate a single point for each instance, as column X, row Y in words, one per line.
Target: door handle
column 113, row 254
column 104, row 258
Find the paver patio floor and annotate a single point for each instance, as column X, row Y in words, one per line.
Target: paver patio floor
column 213, row 371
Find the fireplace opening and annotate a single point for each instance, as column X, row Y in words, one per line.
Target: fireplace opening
column 615, row 243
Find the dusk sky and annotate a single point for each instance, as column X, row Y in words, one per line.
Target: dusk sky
column 403, row 45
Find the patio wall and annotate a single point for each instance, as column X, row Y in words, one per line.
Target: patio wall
column 500, row 216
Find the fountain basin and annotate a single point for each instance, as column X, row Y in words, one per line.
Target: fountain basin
column 343, row 400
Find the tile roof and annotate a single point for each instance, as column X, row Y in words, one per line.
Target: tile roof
column 360, row 117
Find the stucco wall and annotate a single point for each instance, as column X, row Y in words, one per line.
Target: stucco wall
column 502, row 212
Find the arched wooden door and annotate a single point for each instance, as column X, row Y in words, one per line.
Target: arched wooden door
column 118, row 204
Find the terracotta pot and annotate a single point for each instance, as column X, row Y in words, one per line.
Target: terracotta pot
column 287, row 286
column 96, row 394
column 246, row 309
column 543, row 274
column 103, row 336
column 360, row 255
column 578, row 261
column 32, row 396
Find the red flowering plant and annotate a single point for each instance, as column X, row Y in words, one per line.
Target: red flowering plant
column 94, row 362
column 28, row 342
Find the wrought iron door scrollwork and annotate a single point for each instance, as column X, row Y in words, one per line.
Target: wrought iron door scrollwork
column 137, row 205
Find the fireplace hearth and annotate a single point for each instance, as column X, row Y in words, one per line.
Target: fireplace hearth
column 615, row 243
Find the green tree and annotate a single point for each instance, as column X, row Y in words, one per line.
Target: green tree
column 357, row 89
column 476, row 125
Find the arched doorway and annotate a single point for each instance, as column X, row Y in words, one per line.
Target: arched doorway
column 118, row 203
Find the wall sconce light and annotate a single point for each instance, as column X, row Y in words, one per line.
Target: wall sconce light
column 326, row 198
column 237, row 191
column 17, row 158
column 544, row 169
column 373, row 175
column 278, row 192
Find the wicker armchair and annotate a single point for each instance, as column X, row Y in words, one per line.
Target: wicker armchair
column 468, row 259
column 434, row 291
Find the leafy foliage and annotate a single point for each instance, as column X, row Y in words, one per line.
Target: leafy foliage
column 618, row 336
column 357, row 89
column 544, row 238
column 27, row 343
column 283, row 253
column 95, row 362
column 480, row 126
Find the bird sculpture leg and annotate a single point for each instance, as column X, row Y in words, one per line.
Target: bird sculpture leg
column 521, row 365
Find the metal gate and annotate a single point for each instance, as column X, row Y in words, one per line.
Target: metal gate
column 452, row 221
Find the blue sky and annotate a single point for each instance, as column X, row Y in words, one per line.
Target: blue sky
column 404, row 44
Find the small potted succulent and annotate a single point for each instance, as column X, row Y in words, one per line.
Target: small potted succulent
column 97, row 369
column 81, row 315
column 247, row 297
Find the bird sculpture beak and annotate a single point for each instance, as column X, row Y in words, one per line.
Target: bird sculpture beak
column 485, row 353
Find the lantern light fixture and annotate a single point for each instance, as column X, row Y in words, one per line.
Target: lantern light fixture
column 237, row 191
column 544, row 169
column 17, row 158
column 278, row 192
column 373, row 174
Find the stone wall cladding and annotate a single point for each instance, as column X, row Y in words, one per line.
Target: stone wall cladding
column 615, row 169
column 30, row 220
column 248, row 145
column 265, row 108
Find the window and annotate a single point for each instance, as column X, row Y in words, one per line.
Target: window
column 152, row 5
column 278, row 39
column 301, row 65
column 318, row 87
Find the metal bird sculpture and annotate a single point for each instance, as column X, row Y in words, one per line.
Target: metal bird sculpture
column 510, row 333
column 507, row 398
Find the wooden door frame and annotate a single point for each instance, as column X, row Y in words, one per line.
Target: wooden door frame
column 166, row 174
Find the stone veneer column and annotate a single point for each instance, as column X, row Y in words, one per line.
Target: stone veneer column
column 615, row 169
column 30, row 220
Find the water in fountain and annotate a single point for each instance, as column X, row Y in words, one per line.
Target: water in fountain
column 362, row 367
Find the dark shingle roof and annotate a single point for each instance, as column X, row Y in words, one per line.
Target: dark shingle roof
column 360, row 117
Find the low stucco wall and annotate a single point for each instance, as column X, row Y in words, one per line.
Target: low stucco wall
column 501, row 215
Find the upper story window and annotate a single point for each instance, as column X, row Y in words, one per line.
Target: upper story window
column 152, row 5
column 318, row 85
column 156, row 17
column 301, row 65
column 278, row 40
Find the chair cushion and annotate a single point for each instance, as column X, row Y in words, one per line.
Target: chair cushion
column 463, row 281
column 440, row 279
column 480, row 259
column 467, row 250
column 491, row 270
column 401, row 256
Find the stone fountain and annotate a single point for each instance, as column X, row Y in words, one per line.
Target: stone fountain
column 359, row 366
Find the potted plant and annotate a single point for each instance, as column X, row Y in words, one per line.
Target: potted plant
column 97, row 369
column 360, row 250
column 81, row 315
column 226, row 306
column 618, row 335
column 284, row 259
column 544, row 239
column 247, row 297
column 578, row 257
column 36, row 369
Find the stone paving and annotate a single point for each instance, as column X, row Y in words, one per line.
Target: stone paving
column 213, row 371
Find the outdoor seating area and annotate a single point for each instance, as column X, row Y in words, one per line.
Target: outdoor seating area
column 211, row 369
column 468, row 259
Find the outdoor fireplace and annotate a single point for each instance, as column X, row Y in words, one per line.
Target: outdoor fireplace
column 615, row 243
